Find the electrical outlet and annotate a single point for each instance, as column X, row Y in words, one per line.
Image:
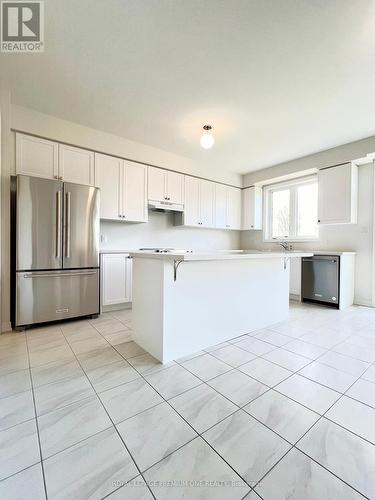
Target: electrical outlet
column 103, row 238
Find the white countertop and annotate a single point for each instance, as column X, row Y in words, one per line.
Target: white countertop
column 331, row 252
column 230, row 255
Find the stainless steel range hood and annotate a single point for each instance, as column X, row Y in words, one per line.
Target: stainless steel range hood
column 165, row 206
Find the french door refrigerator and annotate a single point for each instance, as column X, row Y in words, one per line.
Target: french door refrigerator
column 55, row 250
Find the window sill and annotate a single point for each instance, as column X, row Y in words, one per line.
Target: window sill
column 287, row 240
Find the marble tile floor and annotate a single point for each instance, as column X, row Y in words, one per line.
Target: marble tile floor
column 285, row 413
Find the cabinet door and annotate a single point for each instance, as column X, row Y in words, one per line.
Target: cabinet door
column 175, row 187
column 207, row 203
column 157, row 180
column 76, row 165
column 295, row 277
column 116, row 279
column 108, row 175
column 252, row 208
column 191, row 209
column 337, row 194
column 220, row 206
column 135, row 189
column 234, row 208
column 36, row 157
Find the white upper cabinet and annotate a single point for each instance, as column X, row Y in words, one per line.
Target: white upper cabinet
column 76, row 165
column 199, row 209
column 36, row 157
column 164, row 185
column 221, row 206
column 191, row 214
column 175, row 188
column 234, row 208
column 227, row 207
column 108, row 174
column 207, row 203
column 123, row 188
column 157, row 180
column 338, row 194
column 252, row 208
column 51, row 160
column 134, row 200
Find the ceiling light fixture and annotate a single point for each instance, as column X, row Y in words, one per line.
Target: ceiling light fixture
column 207, row 139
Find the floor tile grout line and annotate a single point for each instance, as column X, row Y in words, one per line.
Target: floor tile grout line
column 320, row 417
column 37, row 424
column 206, row 382
column 21, row 470
column 44, row 459
column 308, row 430
column 198, row 434
column 115, row 428
column 18, row 423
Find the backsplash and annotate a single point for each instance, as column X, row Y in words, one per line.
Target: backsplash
column 160, row 231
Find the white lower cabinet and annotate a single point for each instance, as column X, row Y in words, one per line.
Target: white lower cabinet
column 116, row 278
column 295, row 279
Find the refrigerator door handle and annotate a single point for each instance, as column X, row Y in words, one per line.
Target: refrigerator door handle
column 58, row 224
column 67, row 225
column 57, row 275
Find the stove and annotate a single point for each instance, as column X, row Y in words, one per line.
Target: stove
column 164, row 250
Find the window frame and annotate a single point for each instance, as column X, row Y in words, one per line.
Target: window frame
column 293, row 210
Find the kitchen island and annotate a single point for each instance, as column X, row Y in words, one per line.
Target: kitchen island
column 185, row 301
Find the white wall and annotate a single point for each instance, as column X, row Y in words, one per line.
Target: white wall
column 28, row 120
column 160, row 231
column 357, row 237
column 5, row 111
column 333, row 156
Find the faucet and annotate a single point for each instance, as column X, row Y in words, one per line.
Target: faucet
column 286, row 246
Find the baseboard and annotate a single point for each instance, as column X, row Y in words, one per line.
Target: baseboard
column 6, row 327
column 295, row 297
column 117, row 307
column 362, row 302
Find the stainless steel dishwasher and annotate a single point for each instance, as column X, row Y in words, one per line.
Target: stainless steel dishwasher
column 320, row 279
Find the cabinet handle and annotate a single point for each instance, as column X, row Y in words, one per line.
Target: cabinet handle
column 318, row 221
column 55, row 177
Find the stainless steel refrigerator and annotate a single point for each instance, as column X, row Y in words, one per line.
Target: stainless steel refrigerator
column 55, row 250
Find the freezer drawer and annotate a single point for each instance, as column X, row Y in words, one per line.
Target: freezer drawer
column 320, row 278
column 52, row 295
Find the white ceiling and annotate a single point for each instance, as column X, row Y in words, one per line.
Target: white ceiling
column 277, row 79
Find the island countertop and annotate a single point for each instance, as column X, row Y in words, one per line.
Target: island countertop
column 215, row 255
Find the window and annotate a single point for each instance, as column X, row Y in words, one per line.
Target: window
column 291, row 210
